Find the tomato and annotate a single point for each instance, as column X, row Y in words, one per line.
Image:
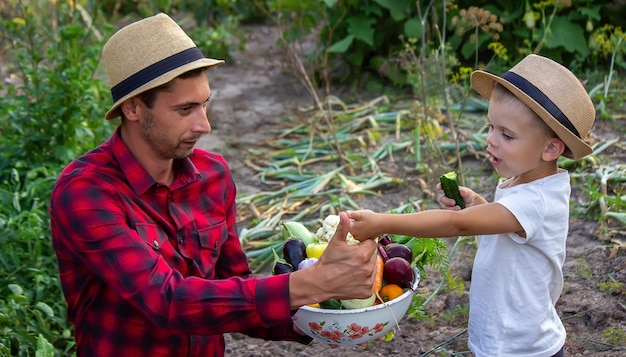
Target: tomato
column 390, row 292
column 315, row 250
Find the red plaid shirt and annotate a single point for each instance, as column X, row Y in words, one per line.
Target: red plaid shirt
column 151, row 270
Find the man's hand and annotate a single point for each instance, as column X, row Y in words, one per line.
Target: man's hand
column 342, row 271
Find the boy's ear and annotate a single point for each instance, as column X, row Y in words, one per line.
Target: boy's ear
column 130, row 108
column 555, row 147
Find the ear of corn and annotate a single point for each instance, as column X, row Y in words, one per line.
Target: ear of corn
column 450, row 185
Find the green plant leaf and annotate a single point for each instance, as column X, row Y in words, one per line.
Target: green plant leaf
column 341, row 46
column 397, row 8
column 45, row 308
column 566, row 34
column 621, row 217
column 330, row 3
column 413, row 28
column 44, row 347
column 16, row 289
column 592, row 12
column 470, row 47
column 361, row 27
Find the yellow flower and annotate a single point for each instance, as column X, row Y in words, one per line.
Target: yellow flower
column 19, row 21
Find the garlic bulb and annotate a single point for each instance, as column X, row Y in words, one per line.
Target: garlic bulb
column 306, row 263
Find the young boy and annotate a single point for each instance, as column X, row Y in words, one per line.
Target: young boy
column 538, row 111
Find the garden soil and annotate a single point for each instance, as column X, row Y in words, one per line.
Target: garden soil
column 255, row 90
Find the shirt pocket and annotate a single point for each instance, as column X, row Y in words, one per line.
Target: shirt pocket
column 209, row 243
column 151, row 234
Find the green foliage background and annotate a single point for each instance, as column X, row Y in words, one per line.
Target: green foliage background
column 52, row 110
column 361, row 40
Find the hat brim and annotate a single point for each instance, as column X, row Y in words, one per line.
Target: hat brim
column 163, row 79
column 484, row 82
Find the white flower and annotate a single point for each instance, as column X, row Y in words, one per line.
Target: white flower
column 328, row 228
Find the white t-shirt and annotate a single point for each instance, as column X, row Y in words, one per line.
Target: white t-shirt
column 516, row 281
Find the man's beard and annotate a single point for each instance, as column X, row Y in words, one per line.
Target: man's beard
column 159, row 143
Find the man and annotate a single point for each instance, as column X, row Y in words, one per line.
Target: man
column 144, row 225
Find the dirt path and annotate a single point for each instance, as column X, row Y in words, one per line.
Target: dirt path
column 251, row 95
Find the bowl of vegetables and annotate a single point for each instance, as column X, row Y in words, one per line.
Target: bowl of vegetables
column 352, row 321
column 343, row 326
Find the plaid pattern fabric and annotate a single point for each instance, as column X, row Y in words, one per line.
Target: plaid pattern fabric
column 151, row 270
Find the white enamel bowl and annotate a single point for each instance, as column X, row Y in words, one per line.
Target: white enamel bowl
column 351, row 327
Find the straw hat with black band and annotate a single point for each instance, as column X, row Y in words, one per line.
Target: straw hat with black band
column 147, row 54
column 553, row 92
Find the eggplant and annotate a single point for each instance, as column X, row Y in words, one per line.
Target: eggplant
column 280, row 266
column 294, row 251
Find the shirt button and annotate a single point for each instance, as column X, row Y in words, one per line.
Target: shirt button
column 181, row 240
column 156, row 243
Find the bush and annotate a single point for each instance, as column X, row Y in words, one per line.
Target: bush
column 361, row 39
column 32, row 309
column 52, row 112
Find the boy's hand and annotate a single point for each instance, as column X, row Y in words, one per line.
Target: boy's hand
column 449, row 203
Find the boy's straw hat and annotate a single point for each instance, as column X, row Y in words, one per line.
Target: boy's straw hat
column 553, row 92
column 147, row 54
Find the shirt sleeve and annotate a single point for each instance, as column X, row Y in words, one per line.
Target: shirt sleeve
column 528, row 208
column 89, row 226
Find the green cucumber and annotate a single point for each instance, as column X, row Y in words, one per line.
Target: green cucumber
column 450, row 185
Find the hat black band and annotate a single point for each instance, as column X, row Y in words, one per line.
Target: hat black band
column 155, row 70
column 539, row 97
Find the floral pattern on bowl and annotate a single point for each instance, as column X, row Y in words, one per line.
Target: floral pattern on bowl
column 344, row 327
column 333, row 333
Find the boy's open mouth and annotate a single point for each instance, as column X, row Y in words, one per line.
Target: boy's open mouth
column 495, row 161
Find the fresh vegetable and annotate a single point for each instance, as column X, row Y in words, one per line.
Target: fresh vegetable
column 380, row 269
column 390, row 292
column 296, row 229
column 384, row 240
column 332, row 304
column 389, row 336
column 280, row 266
column 450, row 185
column 327, row 230
column 294, row 251
column 307, row 263
column 399, row 250
column 315, row 250
column 382, row 252
column 398, row 271
column 359, row 303
column 431, row 252
column 394, row 272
